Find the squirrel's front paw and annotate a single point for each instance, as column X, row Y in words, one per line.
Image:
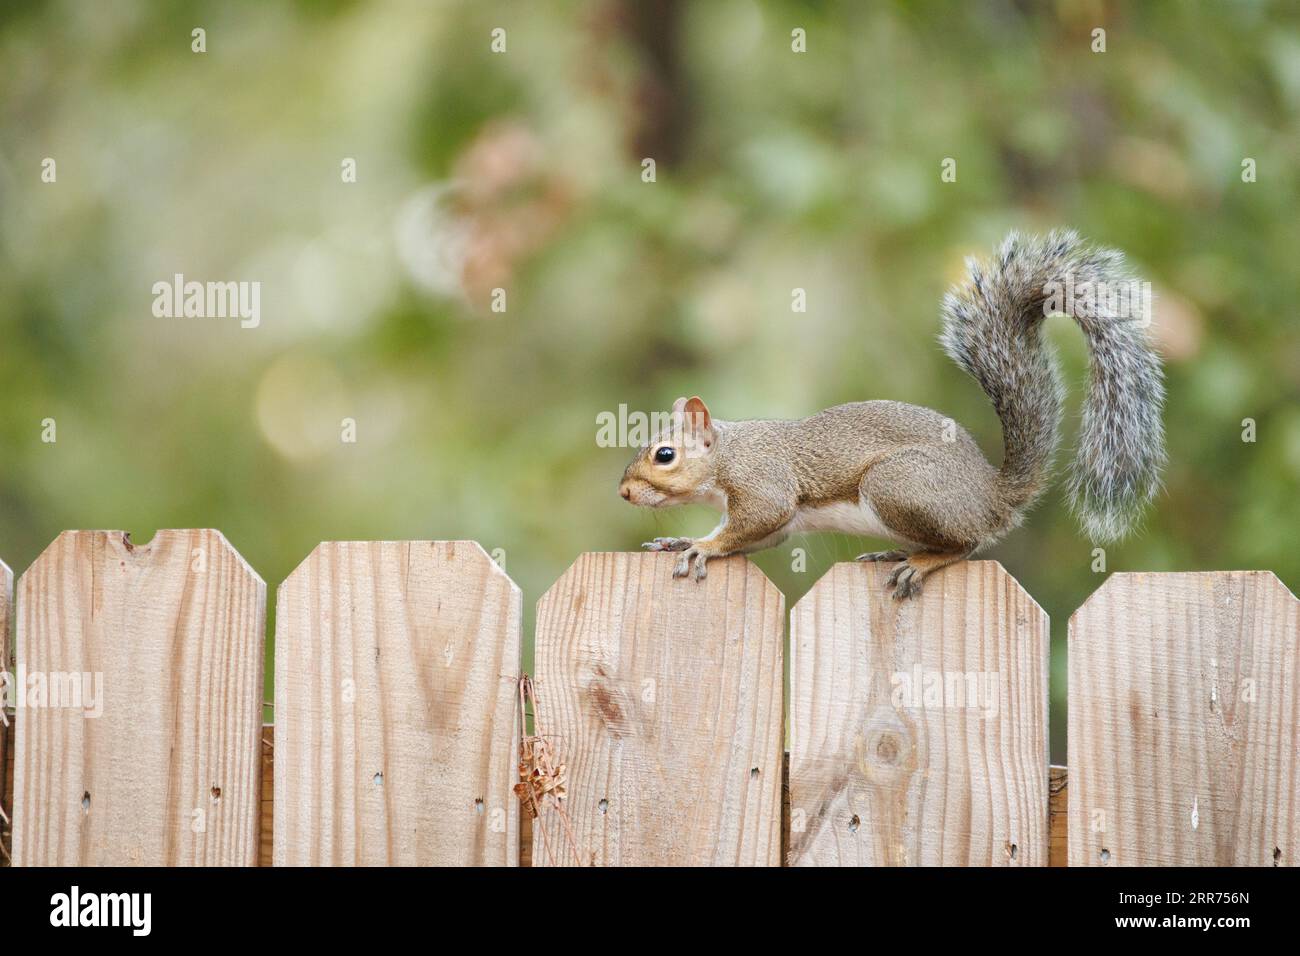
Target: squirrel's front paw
column 668, row 544
column 683, row 567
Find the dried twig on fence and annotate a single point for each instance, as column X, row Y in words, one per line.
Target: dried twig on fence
column 541, row 776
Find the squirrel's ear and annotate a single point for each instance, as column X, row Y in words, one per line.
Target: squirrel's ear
column 699, row 412
column 679, row 407
column 698, row 422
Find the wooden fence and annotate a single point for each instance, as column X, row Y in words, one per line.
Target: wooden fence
column 917, row 731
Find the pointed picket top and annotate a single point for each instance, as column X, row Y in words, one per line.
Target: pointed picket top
column 1196, row 580
column 902, row 710
column 6, row 613
column 142, row 667
column 156, row 550
column 662, row 697
column 752, row 576
column 458, row 550
column 396, row 706
column 1184, row 740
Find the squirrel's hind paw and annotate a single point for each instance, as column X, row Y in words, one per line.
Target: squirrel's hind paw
column 905, row 581
column 906, row 578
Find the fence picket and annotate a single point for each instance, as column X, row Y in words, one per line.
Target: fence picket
column 1184, row 705
column 890, row 762
column 6, row 589
column 663, row 698
column 166, row 641
column 396, row 669
column 918, row 729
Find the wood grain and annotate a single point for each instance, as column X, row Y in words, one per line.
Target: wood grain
column 396, row 672
column 7, row 792
column 918, row 729
column 173, row 634
column 266, row 812
column 663, row 698
column 6, row 678
column 1184, row 705
column 1058, row 784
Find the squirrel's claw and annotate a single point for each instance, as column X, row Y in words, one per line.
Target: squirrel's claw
column 668, row 544
column 701, row 566
column 905, row 581
column 882, row 556
column 685, row 560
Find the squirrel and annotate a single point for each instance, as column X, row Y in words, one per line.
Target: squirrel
column 910, row 475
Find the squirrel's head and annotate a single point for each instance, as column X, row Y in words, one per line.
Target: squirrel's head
column 675, row 467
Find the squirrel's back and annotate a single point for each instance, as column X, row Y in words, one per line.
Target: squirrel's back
column 825, row 456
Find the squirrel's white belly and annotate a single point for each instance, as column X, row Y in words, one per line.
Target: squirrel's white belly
column 842, row 516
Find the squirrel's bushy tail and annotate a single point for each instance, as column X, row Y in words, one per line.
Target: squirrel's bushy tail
column 992, row 328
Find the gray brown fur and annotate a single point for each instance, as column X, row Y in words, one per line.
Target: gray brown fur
column 911, row 475
column 993, row 329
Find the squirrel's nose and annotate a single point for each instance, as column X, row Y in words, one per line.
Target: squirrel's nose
column 626, row 492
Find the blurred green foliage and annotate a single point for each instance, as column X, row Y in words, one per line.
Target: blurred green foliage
column 522, row 171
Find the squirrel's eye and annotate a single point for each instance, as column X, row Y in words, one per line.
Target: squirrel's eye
column 665, row 455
